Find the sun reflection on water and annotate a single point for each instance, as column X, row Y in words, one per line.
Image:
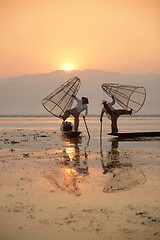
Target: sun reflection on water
column 71, row 153
column 71, row 171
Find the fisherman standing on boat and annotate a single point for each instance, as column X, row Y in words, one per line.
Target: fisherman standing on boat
column 75, row 112
column 113, row 114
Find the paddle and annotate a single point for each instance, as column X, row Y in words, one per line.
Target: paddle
column 101, row 135
column 86, row 126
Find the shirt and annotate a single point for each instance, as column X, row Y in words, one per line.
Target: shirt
column 80, row 107
column 110, row 104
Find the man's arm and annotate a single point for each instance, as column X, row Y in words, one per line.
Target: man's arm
column 102, row 112
column 75, row 97
column 86, row 112
column 113, row 102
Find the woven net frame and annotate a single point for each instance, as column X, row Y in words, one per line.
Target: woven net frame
column 127, row 96
column 61, row 99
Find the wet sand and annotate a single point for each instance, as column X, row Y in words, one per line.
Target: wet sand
column 56, row 188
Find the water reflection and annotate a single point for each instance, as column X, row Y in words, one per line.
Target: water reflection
column 123, row 175
column 113, row 158
column 70, row 170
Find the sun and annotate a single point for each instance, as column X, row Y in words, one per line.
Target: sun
column 68, row 68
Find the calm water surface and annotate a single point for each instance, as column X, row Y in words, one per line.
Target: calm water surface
column 50, row 125
column 40, row 141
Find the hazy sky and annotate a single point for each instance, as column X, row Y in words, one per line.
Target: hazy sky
column 114, row 35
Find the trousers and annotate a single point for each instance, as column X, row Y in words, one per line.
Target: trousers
column 114, row 116
column 75, row 114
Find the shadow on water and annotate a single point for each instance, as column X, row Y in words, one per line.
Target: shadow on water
column 72, row 165
column 122, row 175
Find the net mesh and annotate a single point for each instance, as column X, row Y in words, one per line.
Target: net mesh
column 127, row 96
column 61, row 99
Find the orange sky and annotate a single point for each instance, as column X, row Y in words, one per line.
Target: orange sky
column 43, row 36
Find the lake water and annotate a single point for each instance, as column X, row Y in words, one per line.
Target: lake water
column 126, row 124
column 60, row 187
column 51, row 125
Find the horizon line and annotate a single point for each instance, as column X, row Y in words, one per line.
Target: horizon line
column 77, row 70
column 89, row 115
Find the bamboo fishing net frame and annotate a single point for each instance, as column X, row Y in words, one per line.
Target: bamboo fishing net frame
column 61, row 99
column 127, row 96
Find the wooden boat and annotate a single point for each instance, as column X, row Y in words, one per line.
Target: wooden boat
column 135, row 134
column 71, row 134
column 66, row 128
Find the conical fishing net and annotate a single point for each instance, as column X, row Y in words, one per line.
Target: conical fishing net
column 61, row 99
column 127, row 96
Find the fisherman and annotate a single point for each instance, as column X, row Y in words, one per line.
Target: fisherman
column 113, row 114
column 80, row 107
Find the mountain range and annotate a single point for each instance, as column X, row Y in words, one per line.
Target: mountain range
column 22, row 95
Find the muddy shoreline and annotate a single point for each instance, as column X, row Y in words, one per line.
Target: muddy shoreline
column 55, row 188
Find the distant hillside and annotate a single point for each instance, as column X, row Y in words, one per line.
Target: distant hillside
column 23, row 94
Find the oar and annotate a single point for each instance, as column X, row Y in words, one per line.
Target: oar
column 101, row 135
column 86, row 126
